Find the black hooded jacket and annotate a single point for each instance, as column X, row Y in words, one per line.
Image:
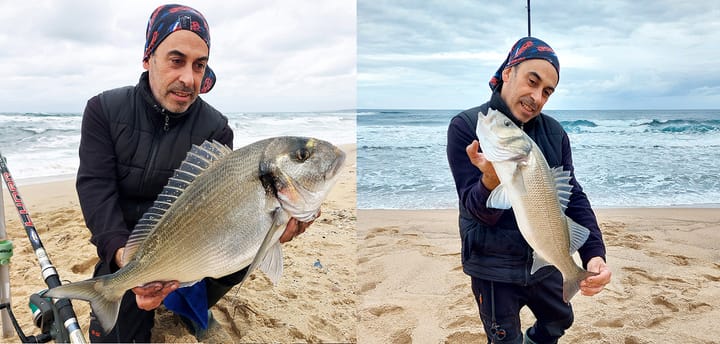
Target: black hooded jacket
column 129, row 148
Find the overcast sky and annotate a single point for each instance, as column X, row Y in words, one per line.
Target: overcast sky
column 280, row 55
column 614, row 54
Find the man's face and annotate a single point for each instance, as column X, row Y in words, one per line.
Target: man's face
column 176, row 69
column 527, row 87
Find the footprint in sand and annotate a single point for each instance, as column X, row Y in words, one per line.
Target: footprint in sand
column 385, row 310
column 612, row 323
column 635, row 274
column 662, row 300
column 679, row 260
column 712, row 278
column 84, row 266
column 634, row 340
column 319, row 325
column 465, row 337
column 464, row 322
column 403, row 336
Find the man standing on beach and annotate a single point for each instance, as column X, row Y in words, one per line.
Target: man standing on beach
column 132, row 139
column 494, row 253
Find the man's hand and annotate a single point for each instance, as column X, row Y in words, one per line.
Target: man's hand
column 151, row 295
column 489, row 177
column 595, row 284
column 295, row 228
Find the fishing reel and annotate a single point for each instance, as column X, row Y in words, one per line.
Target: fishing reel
column 44, row 317
column 42, row 310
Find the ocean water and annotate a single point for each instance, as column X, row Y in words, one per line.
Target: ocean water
column 44, row 146
column 623, row 158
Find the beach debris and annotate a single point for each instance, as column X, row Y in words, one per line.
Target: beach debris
column 537, row 194
column 317, row 264
column 221, row 211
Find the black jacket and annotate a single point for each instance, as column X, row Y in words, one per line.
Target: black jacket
column 129, row 148
column 492, row 246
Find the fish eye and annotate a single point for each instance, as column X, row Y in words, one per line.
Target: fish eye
column 302, row 154
column 507, row 123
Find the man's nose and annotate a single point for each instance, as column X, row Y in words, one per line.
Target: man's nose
column 186, row 76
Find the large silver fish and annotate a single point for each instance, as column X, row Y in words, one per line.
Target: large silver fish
column 537, row 194
column 222, row 211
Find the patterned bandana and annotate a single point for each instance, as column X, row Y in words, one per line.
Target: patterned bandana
column 167, row 19
column 525, row 49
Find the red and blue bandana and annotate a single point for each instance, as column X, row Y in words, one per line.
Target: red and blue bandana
column 525, row 49
column 167, row 19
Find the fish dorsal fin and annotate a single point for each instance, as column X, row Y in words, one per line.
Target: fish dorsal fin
column 562, row 186
column 197, row 160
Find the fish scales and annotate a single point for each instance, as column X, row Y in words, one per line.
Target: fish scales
column 543, row 211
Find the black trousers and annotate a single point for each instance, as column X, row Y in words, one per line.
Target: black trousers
column 544, row 299
column 134, row 325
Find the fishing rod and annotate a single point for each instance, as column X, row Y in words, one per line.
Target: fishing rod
column 64, row 312
column 528, row 9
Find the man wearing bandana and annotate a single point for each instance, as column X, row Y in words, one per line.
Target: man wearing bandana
column 494, row 253
column 132, row 140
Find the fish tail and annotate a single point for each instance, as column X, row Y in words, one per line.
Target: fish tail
column 104, row 304
column 571, row 286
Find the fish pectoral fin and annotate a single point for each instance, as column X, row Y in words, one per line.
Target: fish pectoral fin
column 499, row 198
column 538, row 262
column 272, row 264
column 519, row 181
column 578, row 235
column 270, row 254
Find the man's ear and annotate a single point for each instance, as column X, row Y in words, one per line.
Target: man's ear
column 146, row 64
column 506, row 74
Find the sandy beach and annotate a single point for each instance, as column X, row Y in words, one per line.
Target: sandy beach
column 665, row 285
column 395, row 276
column 310, row 304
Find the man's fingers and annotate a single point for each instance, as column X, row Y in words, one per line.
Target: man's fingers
column 290, row 229
column 153, row 289
column 151, row 295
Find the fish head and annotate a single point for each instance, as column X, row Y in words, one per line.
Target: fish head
column 302, row 171
column 501, row 139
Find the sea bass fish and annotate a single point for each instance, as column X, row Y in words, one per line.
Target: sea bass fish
column 537, row 194
column 222, row 211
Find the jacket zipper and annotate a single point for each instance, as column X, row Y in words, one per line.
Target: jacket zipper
column 154, row 149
